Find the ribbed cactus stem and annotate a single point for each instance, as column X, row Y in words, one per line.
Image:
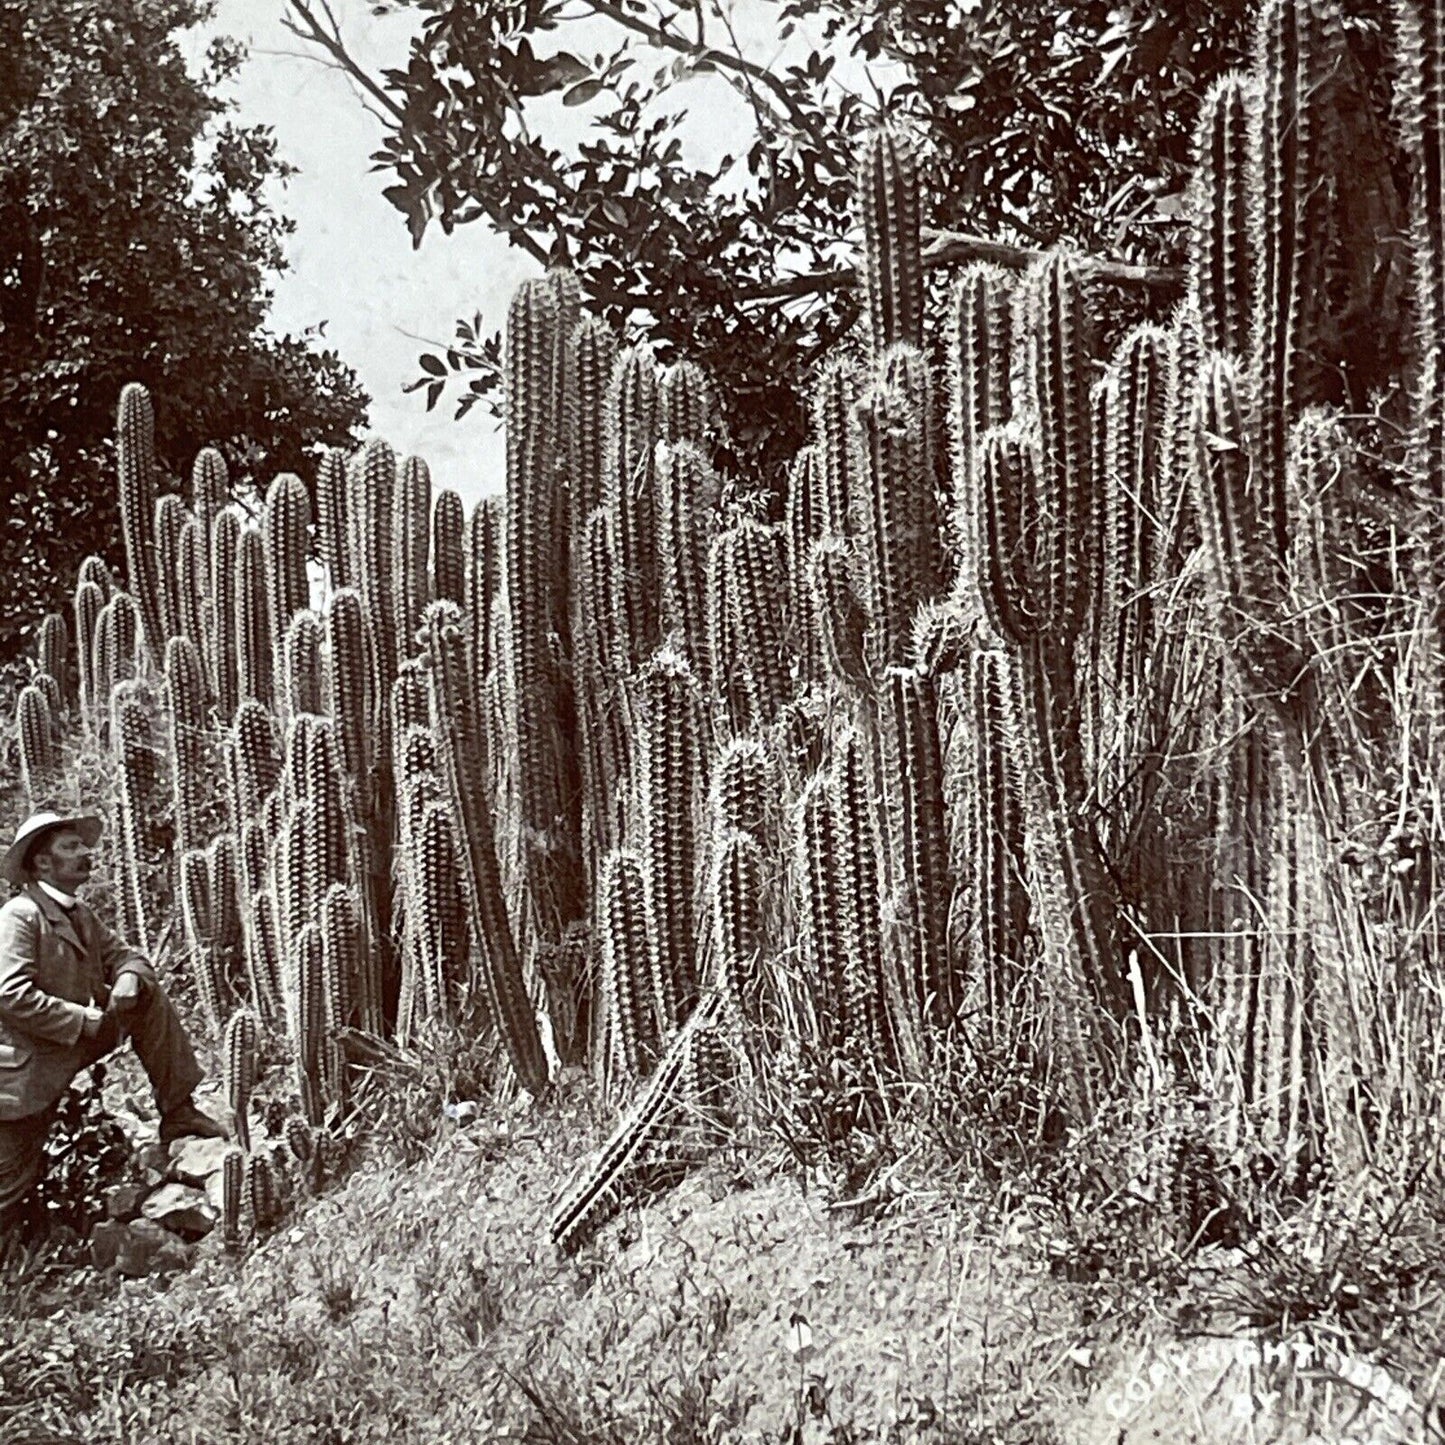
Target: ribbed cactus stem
column 688, row 406
column 1299, row 48
column 284, row 522
column 669, row 792
column 195, row 890
column 233, row 1176
column 350, row 694
column 1222, row 270
column 827, row 931
column 188, row 714
column 239, row 1064
column 592, row 354
column 333, row 539
column 833, row 437
column 737, row 918
column 210, row 491
column 136, row 464
column 460, row 746
column 410, row 555
column 484, row 580
column 448, row 548
column 222, row 643
column 632, row 423
column 263, row 1192
column 39, row 746
column 347, row 984
column 89, row 600
column 440, row 917
column 674, row 1088
column 888, row 199
column 913, row 790
column 130, row 738
column 999, row 910
column 1057, row 312
column 301, row 664
column 255, row 650
column 979, row 341
column 171, row 517
column 689, row 501
column 255, row 759
column 628, row 942
column 838, row 615
column 895, row 511
column 370, row 511
column 750, row 656
column 310, row 1015
column 52, row 652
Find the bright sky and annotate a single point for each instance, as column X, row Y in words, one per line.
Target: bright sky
column 351, row 261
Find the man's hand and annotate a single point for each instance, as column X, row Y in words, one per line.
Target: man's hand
column 126, row 995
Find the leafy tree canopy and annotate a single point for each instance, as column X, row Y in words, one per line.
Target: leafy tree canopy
column 135, row 245
column 1043, row 123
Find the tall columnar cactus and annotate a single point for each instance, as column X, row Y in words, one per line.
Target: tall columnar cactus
column 39, row 744
column 628, row 949
column 410, row 553
column 979, row 346
column 351, row 984
column 744, row 793
column 186, row 702
column 546, row 775
column 333, row 538
column 895, row 510
column 823, row 882
column 749, row 653
column 1221, row 272
column 918, row 848
column 689, row 503
column 233, row 1176
column 88, row 603
column 837, row 615
column 52, row 652
column 370, row 503
column 195, row 890
column 602, row 698
column 670, row 783
column 254, row 760
column 284, row 523
column 888, row 198
column 350, row 693
column 448, row 548
column 855, row 790
column 460, row 749
column 688, row 406
column 309, row 1039
column 837, row 459
column 1299, row 48
column 223, row 867
column 438, row 910
column 484, row 580
column 632, row 422
column 997, row 879
column 737, row 919
column 171, row 516
column 302, row 671
column 210, row 491
column 255, row 648
column 678, row 1085
column 1234, row 510
column 131, row 741
column 136, row 464
column 222, row 643
column 195, row 608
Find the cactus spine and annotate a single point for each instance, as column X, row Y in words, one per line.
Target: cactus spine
column 136, row 463
column 892, row 239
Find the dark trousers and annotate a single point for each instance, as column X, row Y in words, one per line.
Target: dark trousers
column 159, row 1039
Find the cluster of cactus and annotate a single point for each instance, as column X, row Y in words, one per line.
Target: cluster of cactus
column 991, row 750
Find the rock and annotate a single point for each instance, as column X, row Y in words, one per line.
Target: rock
column 152, row 1158
column 194, row 1161
column 105, row 1242
column 181, row 1209
column 123, row 1201
column 137, row 1249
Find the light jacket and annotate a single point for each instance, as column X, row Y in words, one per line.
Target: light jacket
column 54, row 963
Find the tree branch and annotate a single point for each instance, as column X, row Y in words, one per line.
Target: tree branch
column 954, row 248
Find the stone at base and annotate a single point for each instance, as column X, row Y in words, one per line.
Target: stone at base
column 180, row 1209
column 137, row 1249
column 194, row 1161
column 124, row 1201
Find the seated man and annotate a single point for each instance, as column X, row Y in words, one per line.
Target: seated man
column 70, row 989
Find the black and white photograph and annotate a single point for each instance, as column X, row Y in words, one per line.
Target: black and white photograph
column 722, row 722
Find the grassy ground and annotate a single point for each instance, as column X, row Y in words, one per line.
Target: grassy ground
column 424, row 1302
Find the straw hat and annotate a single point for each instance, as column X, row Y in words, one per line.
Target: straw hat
column 88, row 826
